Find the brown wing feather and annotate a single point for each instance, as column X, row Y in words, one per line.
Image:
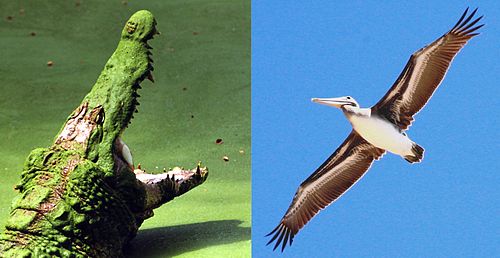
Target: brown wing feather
column 332, row 179
column 424, row 72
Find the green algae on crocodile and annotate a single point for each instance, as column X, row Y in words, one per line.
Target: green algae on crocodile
column 83, row 197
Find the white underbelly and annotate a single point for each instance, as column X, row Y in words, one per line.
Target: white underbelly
column 382, row 134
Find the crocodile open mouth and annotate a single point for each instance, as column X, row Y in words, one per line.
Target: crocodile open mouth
column 124, row 161
column 123, row 157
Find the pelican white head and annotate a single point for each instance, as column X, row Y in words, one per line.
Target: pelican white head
column 337, row 102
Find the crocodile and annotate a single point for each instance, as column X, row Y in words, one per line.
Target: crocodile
column 83, row 196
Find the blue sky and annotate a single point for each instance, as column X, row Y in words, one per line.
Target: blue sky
column 446, row 206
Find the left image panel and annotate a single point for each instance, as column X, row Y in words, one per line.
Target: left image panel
column 125, row 129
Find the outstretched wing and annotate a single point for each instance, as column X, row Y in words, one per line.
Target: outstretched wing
column 332, row 179
column 424, row 72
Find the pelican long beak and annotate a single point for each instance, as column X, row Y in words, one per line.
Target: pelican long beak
column 333, row 102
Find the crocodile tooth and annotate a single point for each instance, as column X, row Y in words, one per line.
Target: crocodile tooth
column 125, row 151
column 150, row 77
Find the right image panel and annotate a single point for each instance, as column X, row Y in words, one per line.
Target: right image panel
column 374, row 129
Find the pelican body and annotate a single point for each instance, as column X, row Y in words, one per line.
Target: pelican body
column 375, row 130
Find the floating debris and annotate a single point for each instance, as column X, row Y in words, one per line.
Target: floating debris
column 50, row 63
column 124, row 2
column 219, row 141
column 195, row 33
column 21, row 11
column 241, row 151
column 9, row 18
column 33, row 34
column 225, row 158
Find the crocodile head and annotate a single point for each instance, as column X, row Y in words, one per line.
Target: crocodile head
column 115, row 96
column 96, row 126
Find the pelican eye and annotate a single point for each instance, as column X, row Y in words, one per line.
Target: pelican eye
column 348, row 97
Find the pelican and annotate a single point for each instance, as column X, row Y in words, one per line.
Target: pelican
column 375, row 130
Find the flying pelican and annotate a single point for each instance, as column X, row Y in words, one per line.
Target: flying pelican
column 375, row 130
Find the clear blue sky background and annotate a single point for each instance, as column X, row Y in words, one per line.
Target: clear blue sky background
column 446, row 206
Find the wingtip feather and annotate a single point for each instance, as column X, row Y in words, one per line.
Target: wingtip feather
column 275, row 234
column 461, row 19
column 274, row 230
column 282, row 236
column 461, row 30
column 278, row 242
column 467, row 19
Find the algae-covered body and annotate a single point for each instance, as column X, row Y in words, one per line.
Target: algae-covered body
column 83, row 197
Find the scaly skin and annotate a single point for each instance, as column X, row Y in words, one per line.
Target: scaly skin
column 82, row 197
